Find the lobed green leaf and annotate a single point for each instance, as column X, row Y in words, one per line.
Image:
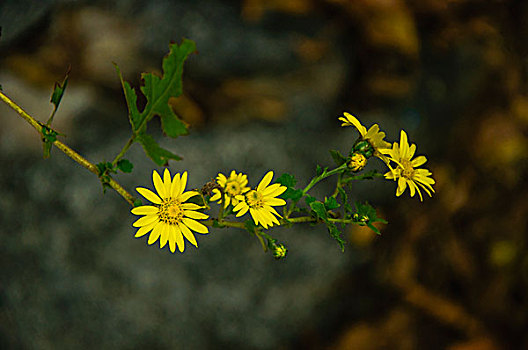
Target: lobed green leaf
column 158, row 154
column 125, row 165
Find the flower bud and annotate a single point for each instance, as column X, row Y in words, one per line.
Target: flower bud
column 357, row 162
column 364, row 147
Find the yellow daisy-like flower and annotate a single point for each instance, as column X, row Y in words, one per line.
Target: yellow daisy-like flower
column 234, row 188
column 405, row 172
column 260, row 202
column 374, row 136
column 169, row 218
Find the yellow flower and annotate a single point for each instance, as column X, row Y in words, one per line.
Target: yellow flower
column 260, row 202
column 234, row 188
column 405, row 172
column 374, row 136
column 170, row 218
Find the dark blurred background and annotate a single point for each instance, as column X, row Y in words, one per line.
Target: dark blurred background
column 264, row 92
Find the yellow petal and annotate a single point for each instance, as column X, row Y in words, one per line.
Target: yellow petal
column 145, row 229
column 158, row 184
column 420, row 160
column 242, row 208
column 277, row 192
column 149, row 195
column 275, row 201
column 145, row 220
column 195, row 226
column 178, row 237
column 404, row 145
column 188, row 234
column 265, row 181
column 175, row 187
column 190, row 206
column 164, row 235
column 255, row 216
column 402, row 185
column 217, row 195
column 355, row 122
column 195, row 215
column 145, row 210
column 167, row 182
column 172, row 239
column 187, row 195
column 183, row 183
column 221, row 179
column 156, row 232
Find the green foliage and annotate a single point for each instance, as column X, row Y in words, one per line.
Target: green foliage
column 291, row 193
column 138, row 202
column 125, row 166
column 309, row 199
column 159, row 155
column 339, row 159
column 58, row 90
column 336, row 234
column 366, row 215
column 157, row 91
column 331, row 203
column 48, row 137
column 321, row 212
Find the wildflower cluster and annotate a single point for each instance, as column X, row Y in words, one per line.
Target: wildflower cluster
column 174, row 214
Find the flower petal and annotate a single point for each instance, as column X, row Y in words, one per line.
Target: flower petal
column 402, row 185
column 149, row 195
column 172, row 239
column 183, row 197
column 265, row 181
column 183, row 183
column 188, row 234
column 195, row 215
column 190, row 206
column 164, row 235
column 167, row 182
column 145, row 229
column 178, row 237
column 420, row 160
column 195, row 226
column 145, row 220
column 175, row 186
column 144, row 210
column 155, row 234
column 275, row 201
column 158, row 184
column 242, row 208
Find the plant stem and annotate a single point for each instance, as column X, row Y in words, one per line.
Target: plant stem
column 67, row 150
column 124, row 150
column 323, row 176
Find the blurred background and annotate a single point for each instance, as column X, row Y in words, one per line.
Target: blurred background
column 264, row 92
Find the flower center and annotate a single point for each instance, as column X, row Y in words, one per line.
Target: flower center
column 170, row 212
column 232, row 188
column 254, row 199
column 408, row 170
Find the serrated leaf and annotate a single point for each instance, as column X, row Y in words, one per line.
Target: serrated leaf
column 339, row 159
column 336, row 234
column 125, row 166
column 159, row 155
column 131, row 101
column 331, row 203
column 287, row 180
column 158, row 90
column 319, row 210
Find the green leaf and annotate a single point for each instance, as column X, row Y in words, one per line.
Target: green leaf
column 159, row 155
column 58, row 90
column 339, row 159
column 291, row 193
column 125, row 166
column 366, row 215
column 319, row 209
column 48, row 137
column 318, row 170
column 331, row 203
column 138, row 203
column 336, row 234
column 287, row 180
column 158, row 90
column 309, row 199
column 131, row 100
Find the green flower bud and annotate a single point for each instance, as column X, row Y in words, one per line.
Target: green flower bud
column 364, row 147
column 280, row 251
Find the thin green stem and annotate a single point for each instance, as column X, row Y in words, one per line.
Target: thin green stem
column 124, row 150
column 323, row 176
column 66, row 149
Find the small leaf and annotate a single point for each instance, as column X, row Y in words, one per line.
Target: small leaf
column 319, row 209
column 287, row 180
column 138, row 203
column 309, row 199
column 336, row 234
column 131, row 100
column 318, row 170
column 58, row 90
column 159, row 155
column 125, row 166
column 339, row 159
column 331, row 203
